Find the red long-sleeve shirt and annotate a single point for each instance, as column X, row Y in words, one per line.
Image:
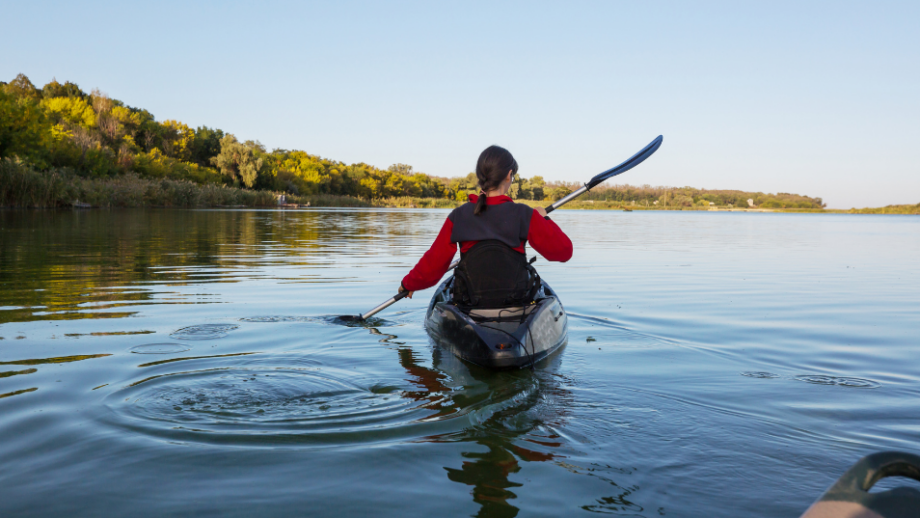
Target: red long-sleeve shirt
column 544, row 236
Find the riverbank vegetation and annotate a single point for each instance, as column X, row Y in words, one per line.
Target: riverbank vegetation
column 890, row 209
column 62, row 146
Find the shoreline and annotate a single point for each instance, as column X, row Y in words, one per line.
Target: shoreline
column 25, row 188
column 345, row 202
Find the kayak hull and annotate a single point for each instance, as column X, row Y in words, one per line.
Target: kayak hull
column 504, row 338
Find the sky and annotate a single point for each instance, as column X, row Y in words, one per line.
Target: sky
column 817, row 98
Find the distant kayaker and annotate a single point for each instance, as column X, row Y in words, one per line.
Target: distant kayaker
column 492, row 231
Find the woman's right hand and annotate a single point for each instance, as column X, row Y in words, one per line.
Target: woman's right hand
column 541, row 211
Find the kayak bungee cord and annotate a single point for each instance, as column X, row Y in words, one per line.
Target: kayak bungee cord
column 522, row 344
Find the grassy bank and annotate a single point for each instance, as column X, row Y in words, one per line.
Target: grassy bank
column 22, row 186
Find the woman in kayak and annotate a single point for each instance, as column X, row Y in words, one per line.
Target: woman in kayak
column 492, row 231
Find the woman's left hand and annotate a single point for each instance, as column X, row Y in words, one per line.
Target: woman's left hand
column 401, row 289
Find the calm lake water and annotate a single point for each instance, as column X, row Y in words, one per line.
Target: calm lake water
column 158, row 363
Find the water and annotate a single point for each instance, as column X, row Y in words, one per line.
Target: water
column 158, row 363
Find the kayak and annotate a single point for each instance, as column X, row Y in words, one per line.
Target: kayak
column 849, row 497
column 505, row 338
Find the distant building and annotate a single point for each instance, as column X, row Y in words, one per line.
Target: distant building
column 750, row 202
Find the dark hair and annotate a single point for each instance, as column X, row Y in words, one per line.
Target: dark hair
column 491, row 169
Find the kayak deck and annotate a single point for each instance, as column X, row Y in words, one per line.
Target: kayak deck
column 512, row 337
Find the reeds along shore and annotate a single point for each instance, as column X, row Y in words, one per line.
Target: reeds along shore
column 24, row 187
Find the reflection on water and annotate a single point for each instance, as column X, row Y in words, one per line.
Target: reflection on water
column 17, row 392
column 82, row 265
column 281, row 406
column 7, row 374
column 509, row 406
column 60, row 359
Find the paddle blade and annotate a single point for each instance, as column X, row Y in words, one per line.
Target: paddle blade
column 633, row 161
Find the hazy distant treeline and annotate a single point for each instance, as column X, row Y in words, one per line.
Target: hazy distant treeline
column 61, row 130
column 690, row 197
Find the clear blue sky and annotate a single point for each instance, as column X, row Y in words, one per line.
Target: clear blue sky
column 817, row 98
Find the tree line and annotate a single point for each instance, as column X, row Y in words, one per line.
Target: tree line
column 61, row 127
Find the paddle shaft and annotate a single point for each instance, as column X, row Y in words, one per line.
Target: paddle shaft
column 567, row 198
column 388, row 303
column 392, row 300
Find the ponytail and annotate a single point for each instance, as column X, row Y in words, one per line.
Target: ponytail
column 491, row 169
column 481, row 203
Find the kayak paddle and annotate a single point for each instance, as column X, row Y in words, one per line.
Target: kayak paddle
column 633, row 161
column 388, row 303
column 378, row 309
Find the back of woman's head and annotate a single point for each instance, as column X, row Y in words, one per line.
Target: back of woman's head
column 491, row 169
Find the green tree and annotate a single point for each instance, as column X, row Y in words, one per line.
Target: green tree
column 557, row 193
column 205, row 145
column 22, row 87
column 536, row 188
column 68, row 89
column 238, row 161
column 24, row 129
column 402, row 169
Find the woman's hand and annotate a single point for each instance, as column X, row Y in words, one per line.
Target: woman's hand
column 401, row 289
column 541, row 211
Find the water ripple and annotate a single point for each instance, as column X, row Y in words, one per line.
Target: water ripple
column 203, row 332
column 277, row 401
column 820, row 379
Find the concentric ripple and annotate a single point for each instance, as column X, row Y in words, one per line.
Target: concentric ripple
column 203, row 332
column 260, row 404
column 839, row 381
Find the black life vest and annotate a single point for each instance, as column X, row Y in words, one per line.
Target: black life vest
column 493, row 275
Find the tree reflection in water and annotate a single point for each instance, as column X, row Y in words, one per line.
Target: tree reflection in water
column 507, row 408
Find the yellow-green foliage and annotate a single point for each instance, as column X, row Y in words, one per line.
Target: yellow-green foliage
column 70, row 110
column 157, row 165
column 25, row 130
column 890, row 209
column 647, row 196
